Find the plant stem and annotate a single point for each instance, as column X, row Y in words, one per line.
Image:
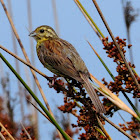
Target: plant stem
column 112, row 76
column 117, row 127
column 116, row 44
column 65, row 135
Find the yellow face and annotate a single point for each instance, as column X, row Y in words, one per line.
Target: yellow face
column 43, row 32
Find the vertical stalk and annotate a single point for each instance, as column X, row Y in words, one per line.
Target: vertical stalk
column 65, row 135
column 17, row 64
column 116, row 44
column 34, row 111
column 55, row 16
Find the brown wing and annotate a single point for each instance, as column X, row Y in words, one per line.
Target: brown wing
column 73, row 55
column 57, row 58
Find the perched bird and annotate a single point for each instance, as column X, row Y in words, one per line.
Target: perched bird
column 61, row 58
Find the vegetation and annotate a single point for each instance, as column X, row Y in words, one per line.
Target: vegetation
column 76, row 102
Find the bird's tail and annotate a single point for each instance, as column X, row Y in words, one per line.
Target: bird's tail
column 94, row 97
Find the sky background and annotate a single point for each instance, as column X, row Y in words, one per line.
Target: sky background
column 75, row 29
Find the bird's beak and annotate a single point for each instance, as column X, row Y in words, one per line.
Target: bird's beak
column 32, row 34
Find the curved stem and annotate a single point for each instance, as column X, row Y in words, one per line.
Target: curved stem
column 65, row 135
column 116, row 44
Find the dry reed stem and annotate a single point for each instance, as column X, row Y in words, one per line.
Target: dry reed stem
column 32, row 52
column 17, row 64
column 55, row 16
column 87, row 18
column 28, row 135
column 60, row 136
column 10, row 136
column 31, row 40
column 25, row 54
column 28, row 64
column 117, row 127
column 113, row 98
column 2, row 137
column 72, row 112
column 109, row 94
column 103, row 129
column 39, row 110
column 116, row 44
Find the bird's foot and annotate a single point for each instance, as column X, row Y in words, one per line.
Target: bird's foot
column 52, row 80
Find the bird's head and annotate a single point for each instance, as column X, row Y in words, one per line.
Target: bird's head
column 43, row 32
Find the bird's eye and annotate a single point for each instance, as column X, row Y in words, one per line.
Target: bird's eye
column 41, row 31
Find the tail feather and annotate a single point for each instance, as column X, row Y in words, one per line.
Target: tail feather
column 94, row 97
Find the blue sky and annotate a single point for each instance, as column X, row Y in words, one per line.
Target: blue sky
column 75, row 29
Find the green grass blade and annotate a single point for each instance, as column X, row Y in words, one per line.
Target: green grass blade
column 101, row 60
column 88, row 17
column 65, row 135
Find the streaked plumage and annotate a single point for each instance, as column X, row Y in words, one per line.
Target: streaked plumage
column 61, row 58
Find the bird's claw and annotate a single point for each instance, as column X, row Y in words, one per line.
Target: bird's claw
column 52, row 81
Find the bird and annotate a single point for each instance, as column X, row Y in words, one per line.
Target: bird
column 61, row 58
